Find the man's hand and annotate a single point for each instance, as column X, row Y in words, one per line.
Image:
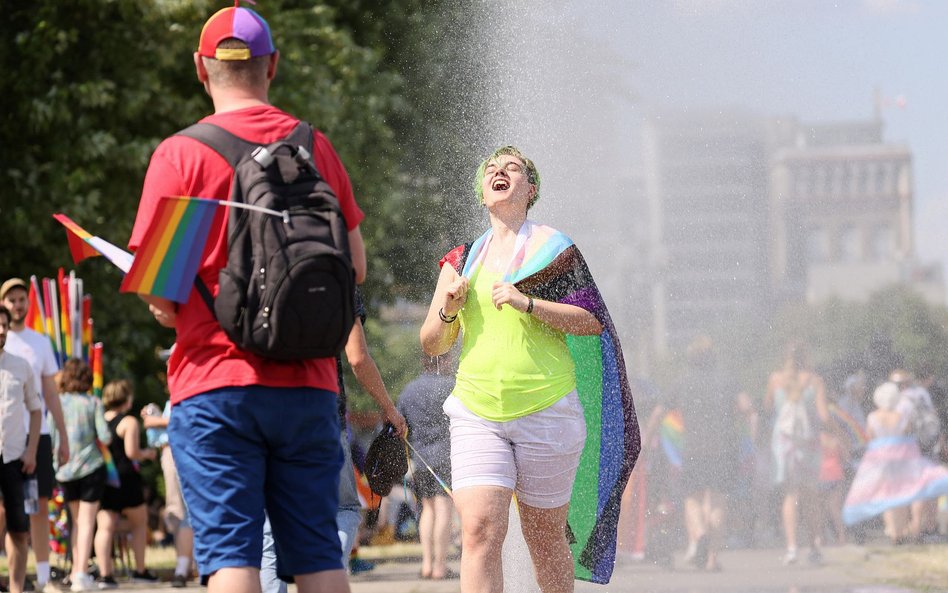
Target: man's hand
column 63, row 452
column 29, row 462
column 395, row 418
column 163, row 317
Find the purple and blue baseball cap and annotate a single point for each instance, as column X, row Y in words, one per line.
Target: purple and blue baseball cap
column 236, row 22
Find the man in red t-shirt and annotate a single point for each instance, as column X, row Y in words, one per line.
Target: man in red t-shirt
column 248, row 433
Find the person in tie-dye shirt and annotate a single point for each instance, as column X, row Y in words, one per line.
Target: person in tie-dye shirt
column 83, row 476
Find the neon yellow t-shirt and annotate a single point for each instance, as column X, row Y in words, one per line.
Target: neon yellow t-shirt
column 512, row 364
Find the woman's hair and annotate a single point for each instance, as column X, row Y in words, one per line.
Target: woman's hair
column 533, row 176
column 116, row 393
column 76, row 377
column 886, row 396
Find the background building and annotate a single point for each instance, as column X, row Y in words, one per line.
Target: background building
column 747, row 212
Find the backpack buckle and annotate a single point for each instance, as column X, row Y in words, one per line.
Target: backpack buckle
column 262, row 156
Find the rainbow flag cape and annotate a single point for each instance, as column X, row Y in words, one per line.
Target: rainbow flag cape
column 671, row 435
column 167, row 262
column 81, row 242
column 547, row 265
column 856, row 431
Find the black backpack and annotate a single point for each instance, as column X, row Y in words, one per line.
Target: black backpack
column 287, row 290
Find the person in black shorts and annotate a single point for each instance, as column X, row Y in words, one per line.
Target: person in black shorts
column 128, row 499
column 83, row 476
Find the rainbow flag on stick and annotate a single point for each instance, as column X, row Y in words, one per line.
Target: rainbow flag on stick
column 167, row 261
column 35, row 320
column 96, row 364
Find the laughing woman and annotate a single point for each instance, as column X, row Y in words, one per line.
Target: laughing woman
column 533, row 325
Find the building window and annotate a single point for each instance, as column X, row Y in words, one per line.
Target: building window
column 818, row 245
column 883, row 243
column 850, row 244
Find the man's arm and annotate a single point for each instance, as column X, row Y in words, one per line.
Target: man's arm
column 29, row 456
column 51, row 397
column 368, row 376
column 357, row 250
column 33, row 403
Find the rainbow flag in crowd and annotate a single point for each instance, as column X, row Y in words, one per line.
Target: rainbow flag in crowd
column 95, row 362
column 671, row 435
column 854, row 430
column 167, row 261
column 547, row 265
column 35, row 319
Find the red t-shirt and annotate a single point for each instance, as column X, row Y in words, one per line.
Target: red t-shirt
column 204, row 358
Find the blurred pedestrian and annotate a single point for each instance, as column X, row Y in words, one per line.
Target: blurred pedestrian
column 421, row 403
column 83, row 476
column 128, row 499
column 893, row 473
column 796, row 398
column 705, row 395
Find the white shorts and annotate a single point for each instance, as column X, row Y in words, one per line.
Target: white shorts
column 535, row 455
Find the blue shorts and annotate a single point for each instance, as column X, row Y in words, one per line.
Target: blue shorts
column 240, row 449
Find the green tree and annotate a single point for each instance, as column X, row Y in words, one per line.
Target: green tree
column 92, row 86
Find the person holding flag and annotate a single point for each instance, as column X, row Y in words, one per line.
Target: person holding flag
column 239, row 418
column 36, row 348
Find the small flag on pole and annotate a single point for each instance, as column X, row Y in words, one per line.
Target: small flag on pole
column 34, row 313
column 78, row 239
column 97, row 245
column 166, row 263
column 96, row 364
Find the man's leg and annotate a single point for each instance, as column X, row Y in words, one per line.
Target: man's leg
column 220, row 458
column 39, row 522
column 269, row 581
column 302, row 487
column 17, row 550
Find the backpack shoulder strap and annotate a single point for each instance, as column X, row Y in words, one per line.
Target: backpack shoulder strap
column 302, row 135
column 233, row 148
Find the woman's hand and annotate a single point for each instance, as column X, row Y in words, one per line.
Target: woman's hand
column 505, row 293
column 455, row 296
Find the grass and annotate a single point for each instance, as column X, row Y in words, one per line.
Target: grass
column 923, row 568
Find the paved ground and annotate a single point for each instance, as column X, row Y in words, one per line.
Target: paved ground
column 845, row 570
column 745, row 571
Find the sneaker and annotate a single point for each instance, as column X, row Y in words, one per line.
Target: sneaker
column 145, row 576
column 83, row 582
column 815, row 557
column 179, row 581
column 106, row 582
column 790, row 558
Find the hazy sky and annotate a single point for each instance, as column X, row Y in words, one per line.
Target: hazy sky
column 817, row 60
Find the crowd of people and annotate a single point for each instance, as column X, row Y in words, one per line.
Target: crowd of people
column 827, row 461
column 261, row 482
column 89, row 435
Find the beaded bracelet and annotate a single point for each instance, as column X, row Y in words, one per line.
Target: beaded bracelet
column 445, row 318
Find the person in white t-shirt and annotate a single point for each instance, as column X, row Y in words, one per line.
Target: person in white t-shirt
column 37, row 350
